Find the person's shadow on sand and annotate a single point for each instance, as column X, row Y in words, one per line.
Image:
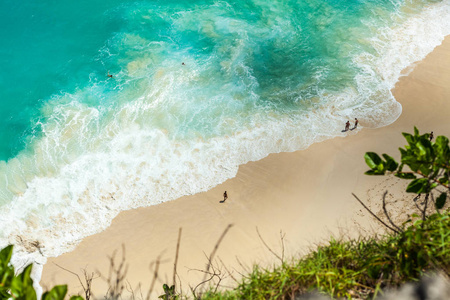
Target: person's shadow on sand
column 351, row 129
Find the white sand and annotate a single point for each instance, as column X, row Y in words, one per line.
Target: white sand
column 305, row 194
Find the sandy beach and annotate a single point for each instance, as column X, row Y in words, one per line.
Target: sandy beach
column 304, row 196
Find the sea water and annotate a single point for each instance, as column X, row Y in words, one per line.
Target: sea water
column 198, row 88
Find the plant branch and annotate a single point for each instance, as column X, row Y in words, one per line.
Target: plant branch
column 431, row 179
column 375, row 216
column 176, row 256
column 88, row 288
column 216, row 247
column 424, row 213
column 281, row 258
column 155, row 276
column 387, row 215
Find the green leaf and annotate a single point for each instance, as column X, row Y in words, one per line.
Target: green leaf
column 77, row 297
column 418, row 186
column 56, row 293
column 442, row 150
column 391, row 164
column 405, row 175
column 381, row 169
column 5, row 255
column 172, row 289
column 443, row 180
column 372, row 160
column 372, row 172
column 442, row 144
column 422, row 149
column 409, row 138
column 25, row 276
column 425, row 169
column 440, row 201
column 412, row 162
column 22, row 285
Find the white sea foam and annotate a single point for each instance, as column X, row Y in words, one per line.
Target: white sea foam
column 90, row 164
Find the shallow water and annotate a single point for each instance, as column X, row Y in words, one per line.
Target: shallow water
column 198, row 88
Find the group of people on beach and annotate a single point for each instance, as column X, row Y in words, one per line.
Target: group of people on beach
column 347, row 125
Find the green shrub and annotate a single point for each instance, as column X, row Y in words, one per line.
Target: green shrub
column 20, row 286
column 355, row 268
column 428, row 163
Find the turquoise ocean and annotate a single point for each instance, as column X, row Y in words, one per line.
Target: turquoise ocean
column 198, row 88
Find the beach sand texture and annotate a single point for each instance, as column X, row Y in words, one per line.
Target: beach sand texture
column 306, row 195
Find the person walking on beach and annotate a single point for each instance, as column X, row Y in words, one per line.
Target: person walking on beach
column 225, row 197
column 356, row 124
column 347, row 126
column 431, row 136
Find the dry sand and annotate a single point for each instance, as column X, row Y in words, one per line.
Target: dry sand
column 306, row 195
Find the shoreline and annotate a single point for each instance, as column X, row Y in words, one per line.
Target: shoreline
column 311, row 189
